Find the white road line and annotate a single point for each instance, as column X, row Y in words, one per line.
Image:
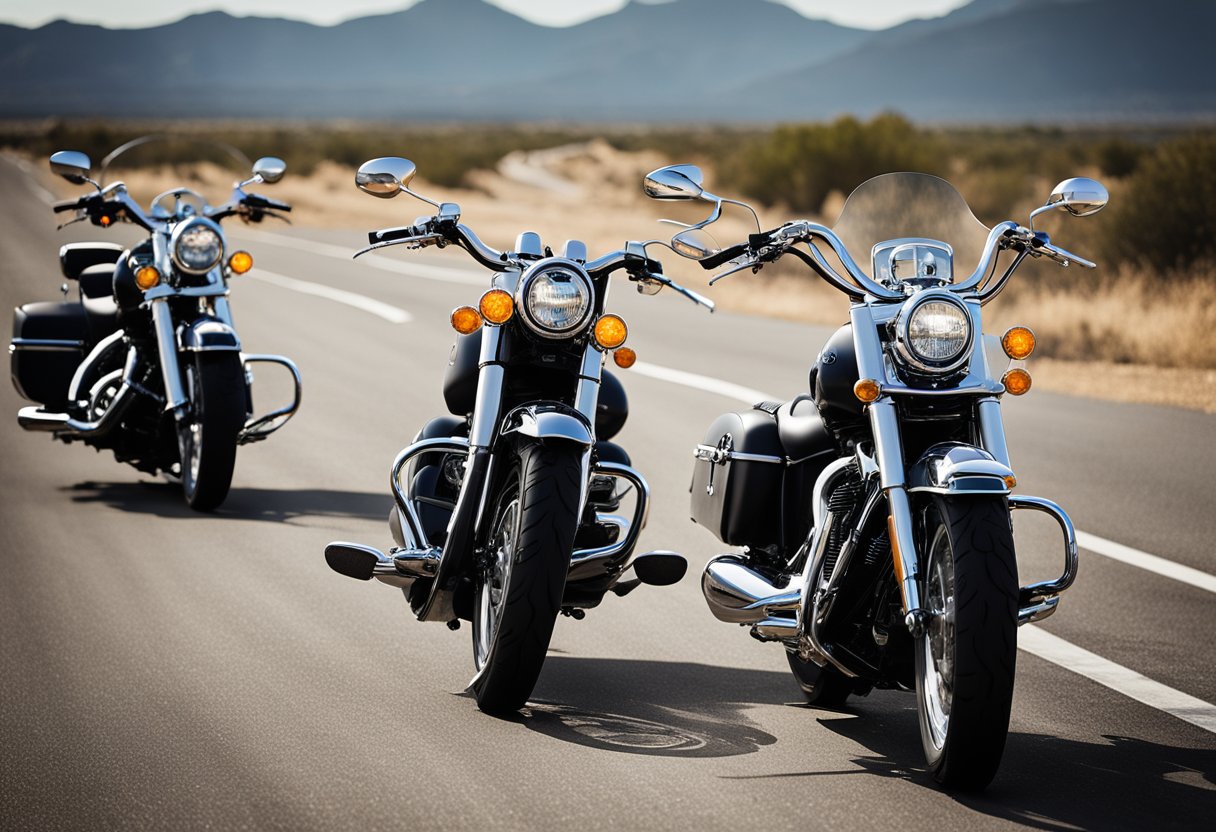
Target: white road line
column 1151, row 563
column 1056, row 650
column 426, row 271
column 392, row 314
column 31, row 178
column 698, row 382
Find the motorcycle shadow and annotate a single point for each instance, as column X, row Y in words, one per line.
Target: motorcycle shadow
column 164, row 499
column 667, row 709
column 1049, row 782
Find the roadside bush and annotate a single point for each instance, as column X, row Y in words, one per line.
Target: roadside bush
column 799, row 165
column 1165, row 216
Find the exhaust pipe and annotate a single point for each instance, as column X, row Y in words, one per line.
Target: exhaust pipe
column 36, row 419
column 738, row 594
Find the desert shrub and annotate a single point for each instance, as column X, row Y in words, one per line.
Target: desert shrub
column 1165, row 216
column 799, row 165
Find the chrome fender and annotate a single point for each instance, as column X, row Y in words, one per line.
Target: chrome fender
column 207, row 335
column 549, row 422
column 955, row 468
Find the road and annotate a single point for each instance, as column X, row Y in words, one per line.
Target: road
column 161, row 669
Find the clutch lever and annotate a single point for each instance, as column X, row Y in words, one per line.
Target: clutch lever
column 688, row 293
column 78, row 218
column 749, row 261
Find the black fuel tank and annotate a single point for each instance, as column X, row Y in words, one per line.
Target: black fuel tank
column 833, row 378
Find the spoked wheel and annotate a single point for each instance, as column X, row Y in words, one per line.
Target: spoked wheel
column 825, row 687
column 207, row 439
column 519, row 585
column 965, row 660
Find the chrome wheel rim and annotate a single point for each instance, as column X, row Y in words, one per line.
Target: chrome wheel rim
column 938, row 642
column 494, row 579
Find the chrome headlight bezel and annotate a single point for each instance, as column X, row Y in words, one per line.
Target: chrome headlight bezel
column 524, row 302
column 908, row 353
column 181, row 234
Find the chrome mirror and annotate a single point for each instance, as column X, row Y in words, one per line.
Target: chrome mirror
column 72, row 165
column 270, row 169
column 674, row 182
column 695, row 244
column 385, row 177
column 1079, row 196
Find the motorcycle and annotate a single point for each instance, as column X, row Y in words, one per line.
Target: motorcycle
column 147, row 362
column 508, row 512
column 874, row 510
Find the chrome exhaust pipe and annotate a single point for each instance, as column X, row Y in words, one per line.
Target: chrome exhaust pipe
column 36, row 419
column 738, row 594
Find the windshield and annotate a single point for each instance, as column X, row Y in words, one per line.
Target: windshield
column 897, row 206
column 201, row 170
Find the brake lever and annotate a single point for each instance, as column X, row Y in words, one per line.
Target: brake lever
column 751, row 262
column 79, row 218
column 412, row 242
column 688, row 293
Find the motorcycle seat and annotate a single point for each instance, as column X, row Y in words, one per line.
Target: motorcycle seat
column 97, row 281
column 801, row 429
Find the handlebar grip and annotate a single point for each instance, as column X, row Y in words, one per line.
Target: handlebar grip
column 263, row 203
column 723, row 256
column 67, row 205
column 388, row 235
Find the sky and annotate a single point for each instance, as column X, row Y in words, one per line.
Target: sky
column 868, row 14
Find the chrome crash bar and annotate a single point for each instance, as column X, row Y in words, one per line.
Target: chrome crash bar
column 259, row 427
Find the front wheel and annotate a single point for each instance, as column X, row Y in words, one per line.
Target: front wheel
column 965, row 660
column 518, row 587
column 208, row 437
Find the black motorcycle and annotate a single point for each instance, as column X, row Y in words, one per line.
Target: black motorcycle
column 874, row 510
column 147, row 362
column 507, row 513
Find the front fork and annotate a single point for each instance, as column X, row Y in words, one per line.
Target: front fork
column 166, row 345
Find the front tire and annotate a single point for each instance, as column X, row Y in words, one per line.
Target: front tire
column 518, row 590
column 965, row 660
column 208, row 439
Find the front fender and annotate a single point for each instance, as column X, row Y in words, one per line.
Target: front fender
column 207, row 335
column 956, row 468
column 549, row 422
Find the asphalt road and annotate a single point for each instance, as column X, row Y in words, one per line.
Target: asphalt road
column 161, row 669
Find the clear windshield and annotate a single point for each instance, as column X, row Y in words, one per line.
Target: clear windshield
column 910, row 206
column 202, row 170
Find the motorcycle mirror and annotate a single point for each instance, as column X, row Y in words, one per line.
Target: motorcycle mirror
column 270, row 168
column 674, row 182
column 72, row 165
column 695, row 244
column 385, row 177
column 1079, row 196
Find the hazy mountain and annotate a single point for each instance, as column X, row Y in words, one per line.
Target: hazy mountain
column 687, row 59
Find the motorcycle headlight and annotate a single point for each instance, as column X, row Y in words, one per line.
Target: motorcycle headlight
column 555, row 301
column 197, row 246
column 933, row 333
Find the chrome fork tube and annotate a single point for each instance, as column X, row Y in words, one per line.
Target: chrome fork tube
column 992, row 430
column 488, row 405
column 166, row 344
column 587, row 397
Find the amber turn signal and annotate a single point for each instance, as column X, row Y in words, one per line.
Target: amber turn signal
column 1016, row 381
column 624, row 358
column 240, row 262
column 146, row 277
column 1011, row 482
column 104, row 221
column 867, row 390
column 610, row 331
column 1018, row 343
column 466, row 320
column 496, row 306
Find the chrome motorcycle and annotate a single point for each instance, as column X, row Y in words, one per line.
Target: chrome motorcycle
column 874, row 510
column 147, row 363
column 508, row 512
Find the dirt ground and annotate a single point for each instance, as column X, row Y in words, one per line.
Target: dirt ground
column 592, row 192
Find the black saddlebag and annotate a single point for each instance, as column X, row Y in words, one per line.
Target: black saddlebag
column 737, row 479
column 48, row 345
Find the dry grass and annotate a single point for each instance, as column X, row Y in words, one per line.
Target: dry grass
column 1127, row 336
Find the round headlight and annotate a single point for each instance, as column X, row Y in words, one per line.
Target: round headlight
column 934, row 333
column 556, row 301
column 197, row 246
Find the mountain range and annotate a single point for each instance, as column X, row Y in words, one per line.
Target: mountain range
column 1050, row 61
